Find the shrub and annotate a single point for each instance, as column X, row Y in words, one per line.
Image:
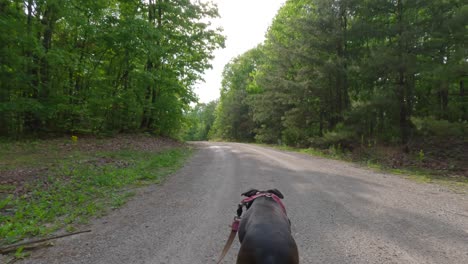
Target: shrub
column 440, row 128
column 293, row 136
column 341, row 137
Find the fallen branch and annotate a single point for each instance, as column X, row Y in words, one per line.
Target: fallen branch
column 14, row 247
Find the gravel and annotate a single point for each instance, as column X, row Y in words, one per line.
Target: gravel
column 340, row 213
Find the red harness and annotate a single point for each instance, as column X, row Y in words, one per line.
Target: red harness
column 261, row 194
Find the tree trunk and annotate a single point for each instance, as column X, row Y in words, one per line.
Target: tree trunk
column 443, row 99
column 402, row 85
column 47, row 21
column 404, row 115
column 30, row 119
column 320, row 132
column 462, row 88
column 151, row 67
column 332, row 105
column 464, row 111
column 157, row 66
column 344, row 57
column 147, row 103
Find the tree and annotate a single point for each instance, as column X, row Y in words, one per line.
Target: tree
column 233, row 114
column 101, row 66
column 341, row 71
column 200, row 121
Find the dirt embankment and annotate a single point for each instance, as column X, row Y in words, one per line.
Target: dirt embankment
column 444, row 157
column 24, row 162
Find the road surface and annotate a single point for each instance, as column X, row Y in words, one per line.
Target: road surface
column 340, row 213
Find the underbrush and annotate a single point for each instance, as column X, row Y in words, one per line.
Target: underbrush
column 413, row 166
column 435, row 153
column 436, row 147
column 76, row 186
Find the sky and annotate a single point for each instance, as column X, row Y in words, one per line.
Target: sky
column 245, row 23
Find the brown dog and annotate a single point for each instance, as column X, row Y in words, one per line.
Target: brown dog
column 265, row 231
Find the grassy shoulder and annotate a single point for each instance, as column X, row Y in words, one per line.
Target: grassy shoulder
column 50, row 188
column 457, row 183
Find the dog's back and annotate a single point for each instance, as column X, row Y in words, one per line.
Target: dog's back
column 265, row 235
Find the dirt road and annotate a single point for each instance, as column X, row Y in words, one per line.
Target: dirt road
column 340, row 214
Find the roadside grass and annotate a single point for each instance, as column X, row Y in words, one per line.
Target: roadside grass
column 420, row 175
column 459, row 185
column 13, row 155
column 75, row 187
column 308, row 151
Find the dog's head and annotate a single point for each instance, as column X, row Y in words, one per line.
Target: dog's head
column 253, row 192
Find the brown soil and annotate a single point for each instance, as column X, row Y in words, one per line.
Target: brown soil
column 49, row 153
column 120, row 142
column 444, row 157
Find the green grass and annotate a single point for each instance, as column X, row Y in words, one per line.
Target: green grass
column 7, row 188
column 78, row 189
column 31, row 153
column 330, row 153
column 420, row 175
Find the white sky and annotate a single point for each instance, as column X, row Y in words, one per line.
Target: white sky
column 245, row 23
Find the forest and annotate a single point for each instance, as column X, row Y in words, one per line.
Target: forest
column 100, row 66
column 338, row 74
column 109, row 86
column 346, row 73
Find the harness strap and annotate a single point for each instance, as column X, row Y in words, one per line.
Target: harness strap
column 270, row 195
column 234, row 228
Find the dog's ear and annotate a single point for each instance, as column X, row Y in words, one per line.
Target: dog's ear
column 250, row 192
column 276, row 192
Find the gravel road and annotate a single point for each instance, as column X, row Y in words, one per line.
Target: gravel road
column 340, row 214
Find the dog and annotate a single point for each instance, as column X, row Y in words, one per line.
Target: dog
column 265, row 231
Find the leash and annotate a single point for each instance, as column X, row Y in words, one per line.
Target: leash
column 234, row 229
column 236, row 221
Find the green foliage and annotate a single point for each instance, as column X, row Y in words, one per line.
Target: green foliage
column 264, row 134
column 233, row 120
column 440, row 128
column 200, row 121
column 79, row 190
column 101, row 67
column 341, row 138
column 20, row 254
column 421, row 155
column 336, row 73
